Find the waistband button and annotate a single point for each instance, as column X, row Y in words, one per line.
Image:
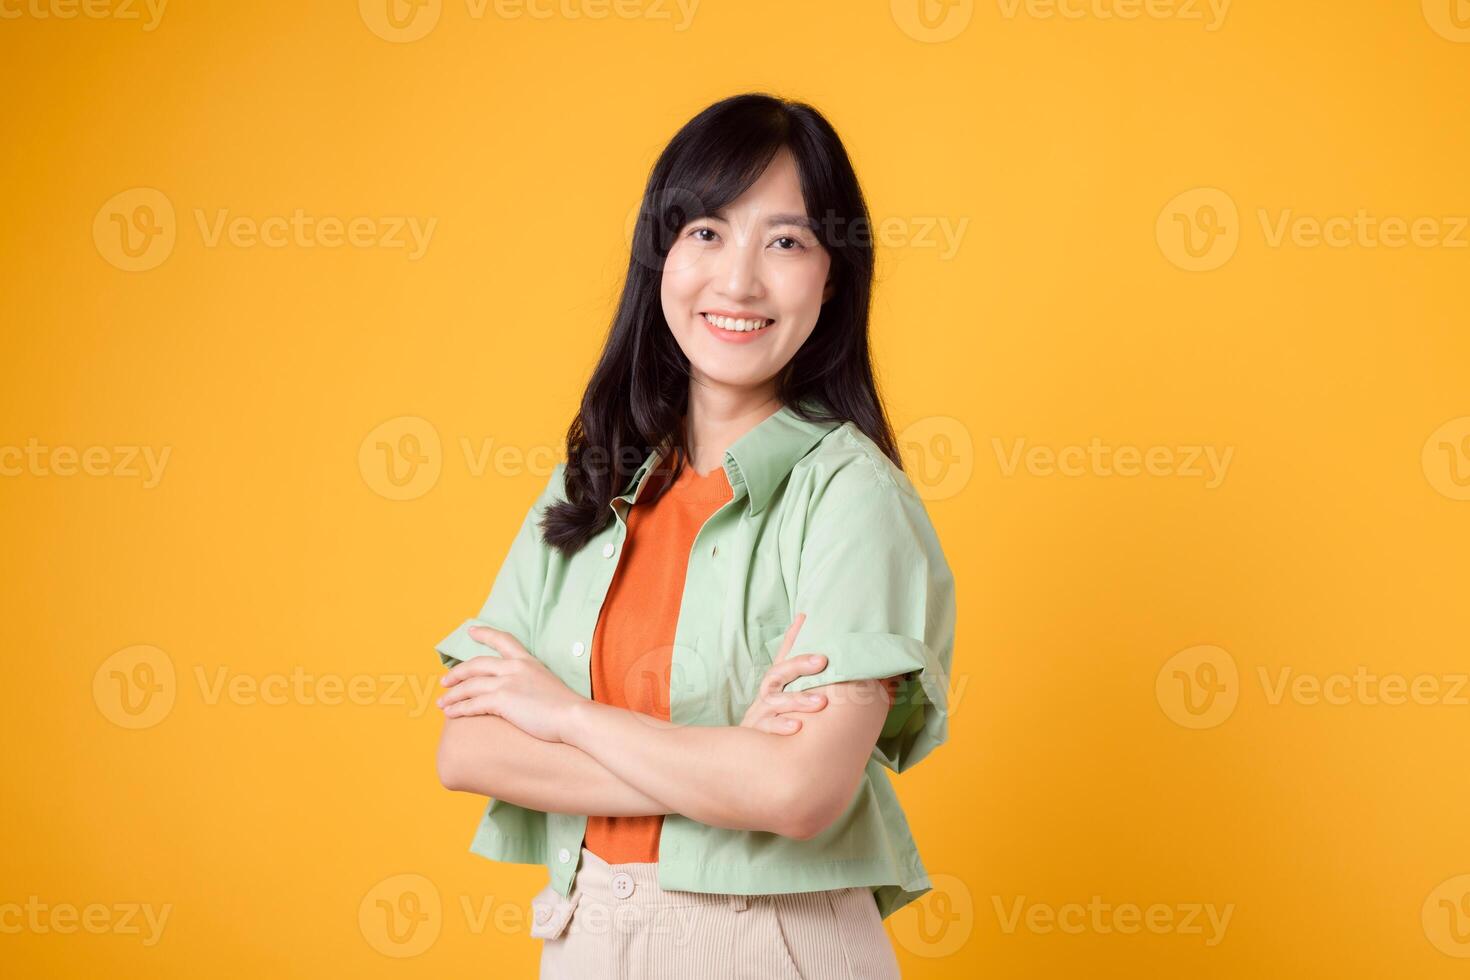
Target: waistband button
column 622, row 884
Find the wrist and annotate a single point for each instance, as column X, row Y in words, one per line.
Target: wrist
column 575, row 721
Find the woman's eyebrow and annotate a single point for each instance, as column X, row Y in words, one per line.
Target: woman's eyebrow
column 799, row 220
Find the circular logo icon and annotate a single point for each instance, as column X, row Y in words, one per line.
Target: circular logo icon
column 932, row 21
column 1450, row 19
column 135, row 687
column 1199, row 229
column 401, row 459
column 939, row 923
column 400, row 21
column 668, row 681
column 1446, row 916
column 1198, row 687
column 1446, row 458
column 938, row 456
column 136, row 229
column 401, row 916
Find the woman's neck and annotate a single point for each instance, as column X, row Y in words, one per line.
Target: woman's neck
column 716, row 419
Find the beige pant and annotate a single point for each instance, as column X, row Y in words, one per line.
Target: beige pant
column 618, row 924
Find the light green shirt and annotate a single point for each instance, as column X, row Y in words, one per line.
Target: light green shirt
column 821, row 522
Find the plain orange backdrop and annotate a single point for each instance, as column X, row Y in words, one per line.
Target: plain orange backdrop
column 218, row 696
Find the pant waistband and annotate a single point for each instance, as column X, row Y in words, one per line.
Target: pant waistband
column 636, row 883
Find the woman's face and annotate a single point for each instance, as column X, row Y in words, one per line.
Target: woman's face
column 758, row 261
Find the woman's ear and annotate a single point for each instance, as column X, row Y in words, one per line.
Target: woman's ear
column 828, row 290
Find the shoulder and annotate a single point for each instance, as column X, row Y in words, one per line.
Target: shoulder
column 848, row 465
column 849, row 498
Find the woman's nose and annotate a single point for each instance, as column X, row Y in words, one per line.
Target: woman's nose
column 739, row 273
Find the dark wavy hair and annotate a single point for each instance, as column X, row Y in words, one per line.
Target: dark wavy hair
column 638, row 395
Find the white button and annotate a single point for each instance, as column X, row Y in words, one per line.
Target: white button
column 607, row 550
column 578, row 648
column 563, row 855
column 543, row 914
column 622, row 885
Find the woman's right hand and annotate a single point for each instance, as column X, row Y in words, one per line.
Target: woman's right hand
column 774, row 710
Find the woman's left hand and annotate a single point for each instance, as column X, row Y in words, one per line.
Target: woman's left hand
column 515, row 686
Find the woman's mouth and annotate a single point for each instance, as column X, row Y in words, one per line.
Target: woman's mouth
column 736, row 325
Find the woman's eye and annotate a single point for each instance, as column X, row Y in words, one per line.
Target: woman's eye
column 794, row 243
column 697, row 231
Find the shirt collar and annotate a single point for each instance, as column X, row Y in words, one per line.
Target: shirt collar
column 758, row 461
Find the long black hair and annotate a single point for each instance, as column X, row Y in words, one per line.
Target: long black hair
column 639, row 392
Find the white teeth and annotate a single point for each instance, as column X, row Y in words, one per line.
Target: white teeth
column 739, row 326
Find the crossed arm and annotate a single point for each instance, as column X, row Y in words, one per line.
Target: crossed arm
column 515, row 732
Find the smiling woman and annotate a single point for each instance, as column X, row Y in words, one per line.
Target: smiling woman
column 727, row 612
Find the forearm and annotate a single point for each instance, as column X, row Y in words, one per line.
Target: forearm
column 488, row 755
column 722, row 776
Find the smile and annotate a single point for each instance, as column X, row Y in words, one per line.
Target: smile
column 735, row 325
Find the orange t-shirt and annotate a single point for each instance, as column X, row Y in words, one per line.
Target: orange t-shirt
column 632, row 646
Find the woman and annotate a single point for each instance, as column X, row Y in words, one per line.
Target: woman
column 731, row 528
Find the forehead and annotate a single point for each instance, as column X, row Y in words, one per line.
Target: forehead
column 776, row 191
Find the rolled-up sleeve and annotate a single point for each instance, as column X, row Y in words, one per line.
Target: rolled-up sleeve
column 879, row 600
column 515, row 596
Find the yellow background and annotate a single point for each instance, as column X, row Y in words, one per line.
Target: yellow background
column 271, row 548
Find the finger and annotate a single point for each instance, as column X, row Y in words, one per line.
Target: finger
column 790, row 639
column 482, row 705
column 468, row 689
column 473, row 667
column 795, row 701
column 778, row 725
column 783, row 673
column 498, row 640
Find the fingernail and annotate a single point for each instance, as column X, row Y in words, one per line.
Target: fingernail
column 814, row 659
column 788, row 725
column 810, row 698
